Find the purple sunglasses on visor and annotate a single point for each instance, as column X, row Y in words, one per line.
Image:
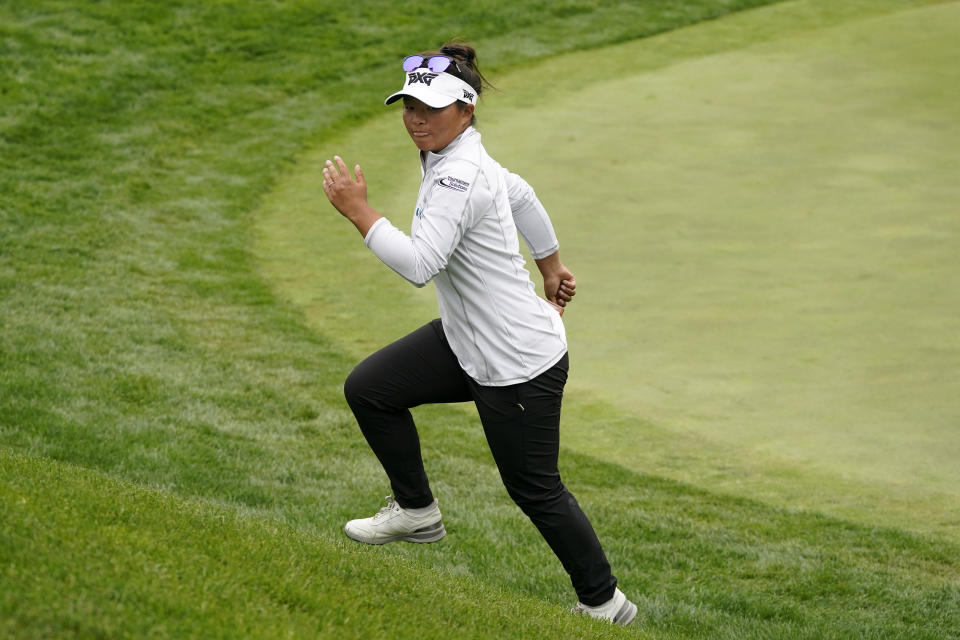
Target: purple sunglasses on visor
column 437, row 64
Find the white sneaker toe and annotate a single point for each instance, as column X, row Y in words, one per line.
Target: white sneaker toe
column 393, row 524
column 618, row 610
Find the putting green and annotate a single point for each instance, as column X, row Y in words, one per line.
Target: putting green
column 762, row 215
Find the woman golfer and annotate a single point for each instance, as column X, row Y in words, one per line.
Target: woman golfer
column 496, row 343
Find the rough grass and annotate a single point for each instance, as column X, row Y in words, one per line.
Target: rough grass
column 87, row 555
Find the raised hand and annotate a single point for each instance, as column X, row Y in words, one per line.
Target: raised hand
column 349, row 195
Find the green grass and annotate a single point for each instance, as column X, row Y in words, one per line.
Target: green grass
column 116, row 559
column 762, row 208
column 176, row 459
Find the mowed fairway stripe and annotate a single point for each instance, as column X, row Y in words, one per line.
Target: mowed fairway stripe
column 765, row 241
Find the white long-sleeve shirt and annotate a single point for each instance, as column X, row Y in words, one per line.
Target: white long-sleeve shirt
column 464, row 238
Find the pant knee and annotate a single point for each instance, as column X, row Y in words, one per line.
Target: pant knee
column 535, row 498
column 352, row 389
column 367, row 391
column 355, row 389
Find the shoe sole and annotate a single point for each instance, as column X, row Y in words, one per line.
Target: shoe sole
column 430, row 533
column 626, row 614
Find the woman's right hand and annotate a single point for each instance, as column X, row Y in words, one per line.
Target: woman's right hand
column 345, row 193
column 349, row 195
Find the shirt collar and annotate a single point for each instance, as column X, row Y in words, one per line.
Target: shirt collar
column 430, row 158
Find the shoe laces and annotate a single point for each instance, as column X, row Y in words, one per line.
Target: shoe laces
column 391, row 506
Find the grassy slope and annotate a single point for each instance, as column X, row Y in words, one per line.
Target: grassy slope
column 117, row 560
column 827, row 398
column 140, row 347
column 86, row 554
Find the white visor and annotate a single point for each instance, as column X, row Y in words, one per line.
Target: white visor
column 434, row 89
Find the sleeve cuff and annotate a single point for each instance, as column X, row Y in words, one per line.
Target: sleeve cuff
column 369, row 237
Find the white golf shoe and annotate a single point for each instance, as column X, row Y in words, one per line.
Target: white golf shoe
column 617, row 610
column 393, row 523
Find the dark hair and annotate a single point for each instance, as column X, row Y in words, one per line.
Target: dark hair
column 465, row 67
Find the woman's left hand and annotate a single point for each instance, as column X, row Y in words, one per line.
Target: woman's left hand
column 559, row 285
column 563, row 284
column 566, row 290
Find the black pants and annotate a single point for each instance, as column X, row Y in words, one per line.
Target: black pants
column 522, row 426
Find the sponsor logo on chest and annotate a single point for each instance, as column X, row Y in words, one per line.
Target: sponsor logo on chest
column 456, row 184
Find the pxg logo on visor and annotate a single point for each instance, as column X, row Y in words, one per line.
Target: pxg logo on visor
column 430, row 80
column 417, row 76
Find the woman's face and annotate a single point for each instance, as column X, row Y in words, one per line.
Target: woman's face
column 433, row 129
